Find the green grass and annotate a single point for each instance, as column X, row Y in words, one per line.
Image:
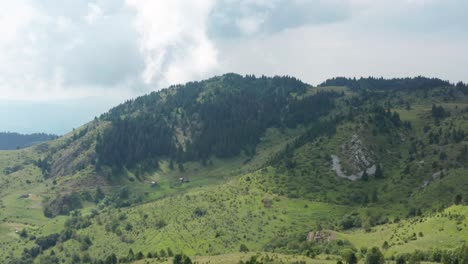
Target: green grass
column 235, row 258
column 444, row 230
column 415, row 115
column 18, row 211
column 229, row 202
column 314, row 90
column 232, row 215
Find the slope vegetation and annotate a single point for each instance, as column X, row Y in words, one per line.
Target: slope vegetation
column 239, row 163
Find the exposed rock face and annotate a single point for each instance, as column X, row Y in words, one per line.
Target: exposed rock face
column 434, row 176
column 358, row 158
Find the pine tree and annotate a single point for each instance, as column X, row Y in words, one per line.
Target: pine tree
column 365, row 176
column 379, row 172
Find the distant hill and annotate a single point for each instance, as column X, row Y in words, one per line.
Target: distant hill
column 9, row 140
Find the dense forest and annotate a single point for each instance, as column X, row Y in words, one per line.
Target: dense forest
column 9, row 140
column 199, row 120
column 203, row 119
column 372, row 83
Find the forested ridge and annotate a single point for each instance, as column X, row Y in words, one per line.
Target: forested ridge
column 372, row 83
column 219, row 117
column 10, row 140
column 226, row 115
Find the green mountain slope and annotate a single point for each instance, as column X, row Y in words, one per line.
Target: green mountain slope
column 235, row 163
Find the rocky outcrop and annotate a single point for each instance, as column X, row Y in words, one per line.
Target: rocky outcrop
column 435, row 176
column 358, row 158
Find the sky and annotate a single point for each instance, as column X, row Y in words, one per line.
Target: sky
column 64, row 62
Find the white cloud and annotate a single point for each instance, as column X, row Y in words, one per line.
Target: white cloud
column 66, row 49
column 63, row 24
column 314, row 54
column 174, row 40
column 14, row 17
column 250, row 25
column 94, row 12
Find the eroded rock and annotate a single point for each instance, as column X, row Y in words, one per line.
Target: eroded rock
column 358, row 158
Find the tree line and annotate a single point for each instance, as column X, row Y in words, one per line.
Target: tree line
column 372, row 83
column 220, row 117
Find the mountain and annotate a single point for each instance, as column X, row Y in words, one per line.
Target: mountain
column 238, row 167
column 10, row 140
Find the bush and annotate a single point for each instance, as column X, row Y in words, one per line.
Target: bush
column 23, row 233
column 140, row 256
column 99, row 195
column 47, row 241
column 63, row 204
column 400, row 260
column 111, row 259
column 252, row 260
column 350, row 221
column 385, row 245
column 181, row 259
column 375, row 256
column 349, row 257
column 199, row 212
column 160, row 223
column 243, row 248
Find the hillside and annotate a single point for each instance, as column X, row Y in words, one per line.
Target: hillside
column 241, row 163
column 9, row 141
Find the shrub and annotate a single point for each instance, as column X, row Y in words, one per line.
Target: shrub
column 199, row 212
column 47, row 241
column 400, row 260
column 181, row 259
column 63, row 204
column 374, row 256
column 349, row 257
column 243, row 248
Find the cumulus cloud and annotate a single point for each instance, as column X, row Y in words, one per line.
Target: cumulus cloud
column 173, row 39
column 92, row 48
column 66, row 49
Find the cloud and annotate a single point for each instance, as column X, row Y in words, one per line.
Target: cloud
column 412, row 16
column 76, row 48
column 67, row 49
column 248, row 17
column 174, row 40
column 94, row 12
column 14, row 16
column 348, row 49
